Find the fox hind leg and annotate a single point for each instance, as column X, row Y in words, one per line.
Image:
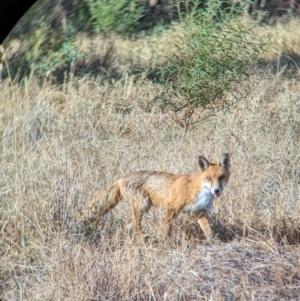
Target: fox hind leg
column 137, row 211
column 135, row 216
column 170, row 215
column 135, row 219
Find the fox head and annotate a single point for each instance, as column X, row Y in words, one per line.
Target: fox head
column 215, row 176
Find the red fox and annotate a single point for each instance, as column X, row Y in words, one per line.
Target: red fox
column 175, row 192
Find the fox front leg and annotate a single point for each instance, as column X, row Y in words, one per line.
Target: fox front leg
column 204, row 224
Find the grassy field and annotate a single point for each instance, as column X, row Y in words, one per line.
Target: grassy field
column 59, row 144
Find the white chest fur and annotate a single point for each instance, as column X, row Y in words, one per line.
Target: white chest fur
column 203, row 201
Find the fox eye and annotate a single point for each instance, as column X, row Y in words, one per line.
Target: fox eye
column 221, row 178
column 208, row 178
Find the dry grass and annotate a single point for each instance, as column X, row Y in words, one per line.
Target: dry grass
column 123, row 56
column 61, row 144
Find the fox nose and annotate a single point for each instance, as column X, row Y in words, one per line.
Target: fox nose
column 217, row 191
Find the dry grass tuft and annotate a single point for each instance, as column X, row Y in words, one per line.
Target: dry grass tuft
column 61, row 144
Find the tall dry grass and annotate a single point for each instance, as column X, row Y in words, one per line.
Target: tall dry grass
column 60, row 144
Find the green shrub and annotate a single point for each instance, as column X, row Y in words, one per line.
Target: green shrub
column 47, row 51
column 120, row 16
column 217, row 53
column 50, row 51
column 45, row 47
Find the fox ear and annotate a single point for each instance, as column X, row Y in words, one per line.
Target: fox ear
column 203, row 163
column 225, row 161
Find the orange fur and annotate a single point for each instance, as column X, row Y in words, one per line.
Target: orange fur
column 175, row 192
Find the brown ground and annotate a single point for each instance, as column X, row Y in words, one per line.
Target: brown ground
column 60, row 144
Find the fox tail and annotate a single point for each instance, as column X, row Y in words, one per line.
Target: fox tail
column 103, row 201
